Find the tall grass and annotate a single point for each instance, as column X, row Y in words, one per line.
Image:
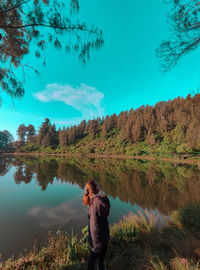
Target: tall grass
column 144, row 240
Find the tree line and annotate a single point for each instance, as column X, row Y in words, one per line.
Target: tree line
column 174, row 122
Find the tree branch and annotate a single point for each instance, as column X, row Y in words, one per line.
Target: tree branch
column 14, row 7
column 189, row 47
column 73, row 27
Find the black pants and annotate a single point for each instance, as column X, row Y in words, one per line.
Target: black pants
column 93, row 257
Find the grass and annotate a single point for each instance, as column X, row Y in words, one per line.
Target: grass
column 139, row 241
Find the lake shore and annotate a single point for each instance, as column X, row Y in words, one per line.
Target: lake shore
column 93, row 155
column 139, row 241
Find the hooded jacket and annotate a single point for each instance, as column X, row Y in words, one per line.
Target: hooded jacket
column 98, row 227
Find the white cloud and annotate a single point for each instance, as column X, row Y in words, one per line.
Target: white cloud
column 84, row 98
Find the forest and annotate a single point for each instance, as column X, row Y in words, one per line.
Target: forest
column 168, row 128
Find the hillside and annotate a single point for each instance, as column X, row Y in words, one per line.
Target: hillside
column 166, row 129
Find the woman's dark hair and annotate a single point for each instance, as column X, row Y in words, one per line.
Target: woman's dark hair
column 91, row 189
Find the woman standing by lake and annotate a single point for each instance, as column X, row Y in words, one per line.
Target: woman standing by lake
column 98, row 228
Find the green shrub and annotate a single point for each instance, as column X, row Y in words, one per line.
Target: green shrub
column 190, row 217
column 29, row 147
column 183, row 148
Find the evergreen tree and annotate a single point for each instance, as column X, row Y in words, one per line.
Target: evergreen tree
column 81, row 129
column 21, row 132
column 121, row 119
column 72, row 135
column 30, row 133
column 104, row 129
column 47, row 134
column 61, row 137
column 112, row 122
column 93, row 128
column 43, row 131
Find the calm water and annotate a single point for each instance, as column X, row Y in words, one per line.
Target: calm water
column 42, row 194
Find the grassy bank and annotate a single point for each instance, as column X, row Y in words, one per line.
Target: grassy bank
column 112, row 147
column 144, row 241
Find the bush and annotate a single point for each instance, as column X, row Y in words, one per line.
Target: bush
column 164, row 148
column 29, row 147
column 183, row 148
column 190, row 218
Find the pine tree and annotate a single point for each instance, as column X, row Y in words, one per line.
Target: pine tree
column 47, row 134
column 31, row 133
column 93, row 129
column 21, row 132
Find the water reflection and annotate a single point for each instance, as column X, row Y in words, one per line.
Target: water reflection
column 59, row 215
column 153, row 185
column 27, row 211
column 4, row 165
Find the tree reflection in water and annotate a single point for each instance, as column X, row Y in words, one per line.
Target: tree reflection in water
column 5, row 165
column 153, row 185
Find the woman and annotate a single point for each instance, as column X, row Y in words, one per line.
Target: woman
column 98, row 228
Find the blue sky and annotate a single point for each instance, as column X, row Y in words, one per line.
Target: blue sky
column 124, row 73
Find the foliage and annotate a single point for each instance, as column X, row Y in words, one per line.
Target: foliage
column 26, row 133
column 29, row 147
column 5, row 139
column 184, row 148
column 47, row 135
column 42, row 23
column 185, row 29
column 190, row 218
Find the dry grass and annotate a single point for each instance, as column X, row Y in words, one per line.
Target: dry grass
column 146, row 220
column 139, row 241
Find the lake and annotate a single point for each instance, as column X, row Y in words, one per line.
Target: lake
column 41, row 194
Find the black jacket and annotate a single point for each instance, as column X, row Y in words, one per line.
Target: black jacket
column 98, row 227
